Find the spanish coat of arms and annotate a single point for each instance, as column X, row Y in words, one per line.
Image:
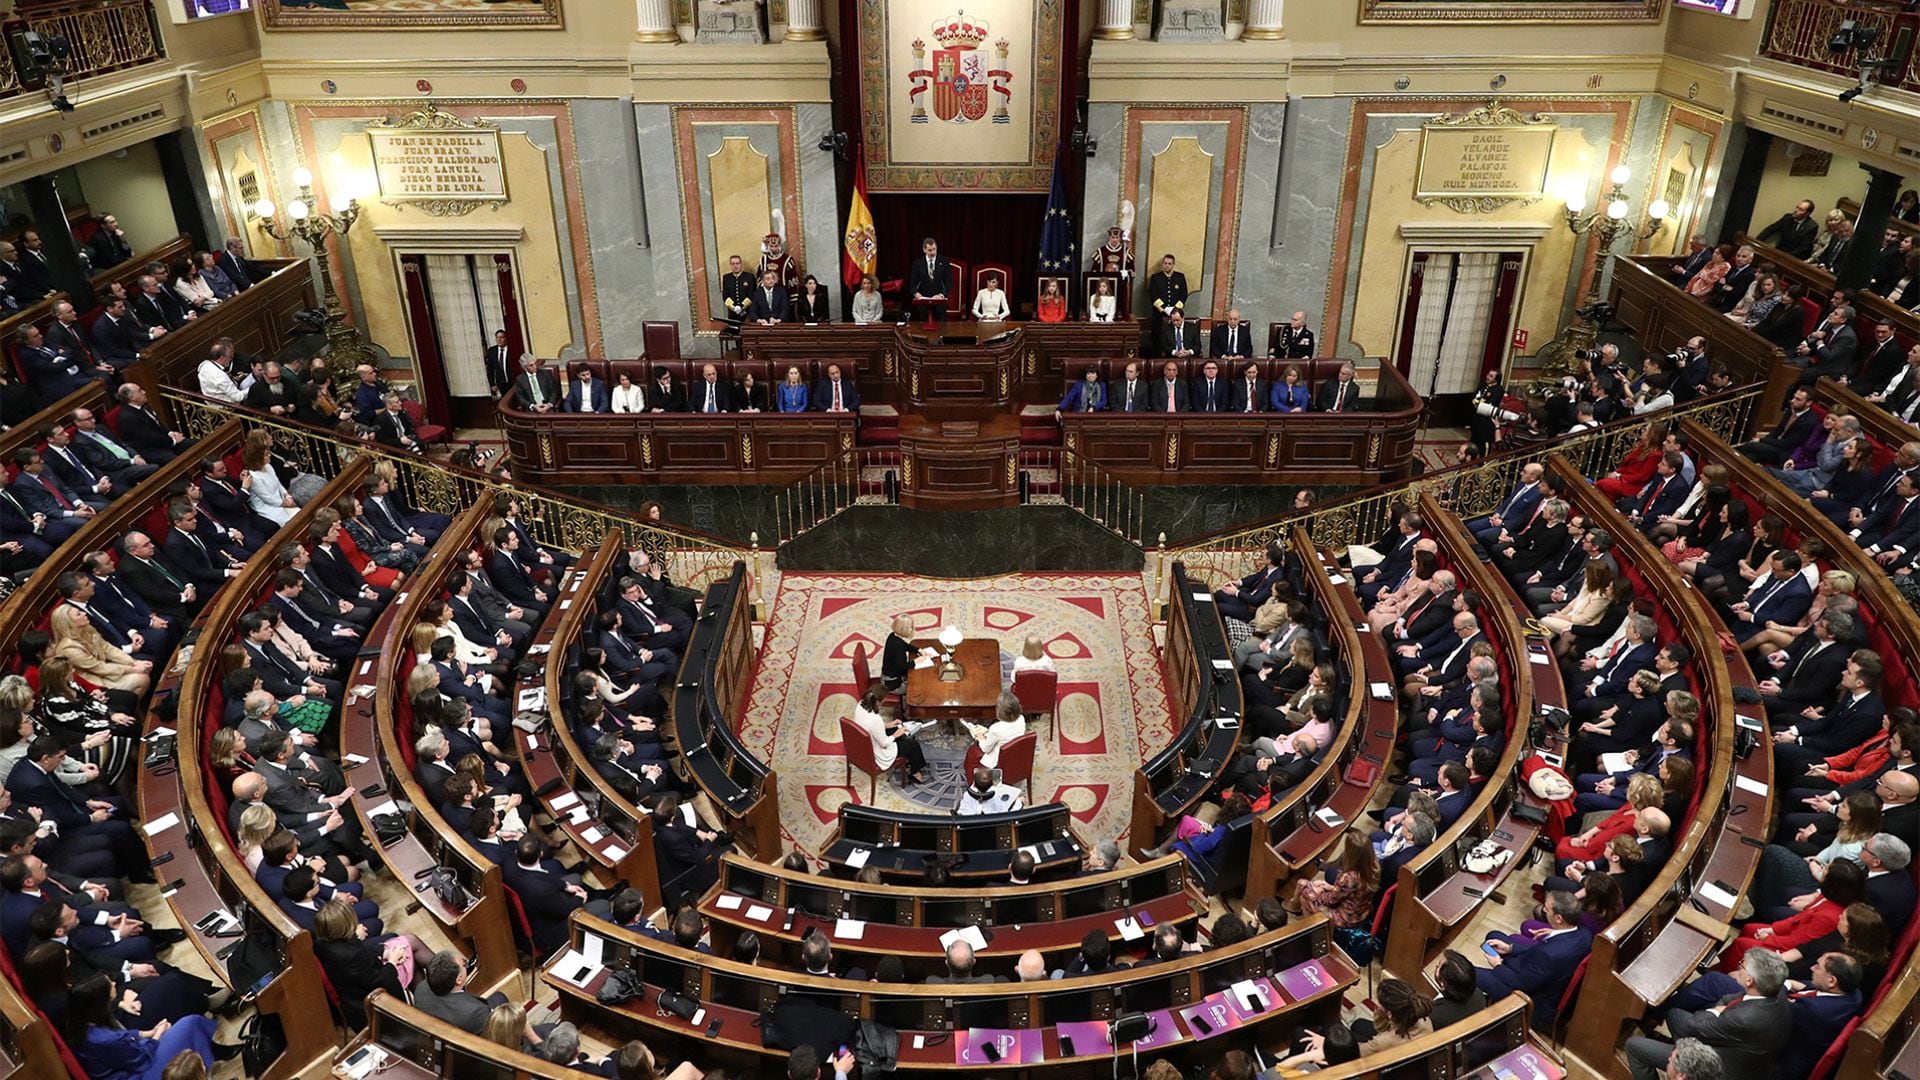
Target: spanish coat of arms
column 960, row 75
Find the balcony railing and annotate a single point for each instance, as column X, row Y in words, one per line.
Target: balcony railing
column 104, row 35
column 1798, row 31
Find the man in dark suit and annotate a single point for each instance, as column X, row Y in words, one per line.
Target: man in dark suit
column 1239, row 600
column 1831, row 349
column 33, row 786
column 126, row 607
column 1747, row 1030
column 709, row 394
column 1178, row 337
column 1168, row 394
column 510, row 575
column 1232, row 340
column 1634, row 652
column 1783, row 600
column 336, row 572
column 686, row 853
column 1338, row 394
column 1166, row 294
column 1890, row 887
column 40, row 492
column 1544, row 539
column 1209, row 393
column 960, row 962
column 930, row 282
column 64, row 462
column 835, row 394
column 667, row 394
column 536, row 389
column 498, row 363
column 104, row 454
column 141, row 430
column 1839, row 238
column 52, row 374
column 393, row 427
column 65, row 337
column 1130, row 393
column 154, row 578
column 1543, row 971
column 1830, row 1001
column 499, row 611
column 192, row 557
column 545, row 891
column 156, row 306
column 1795, row 427
column 229, row 502
column 1885, row 358
column 34, row 270
column 1794, row 232
column 1699, row 252
column 1735, row 285
column 769, row 305
column 232, row 261
column 736, row 292
column 108, row 244
column 118, row 337
column 1446, row 661
column 1889, row 531
column 336, row 640
column 1514, row 510
column 1249, row 392
column 1849, row 718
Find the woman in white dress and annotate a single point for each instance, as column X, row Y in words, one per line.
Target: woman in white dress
column 265, row 493
column 1008, row 725
column 191, row 288
column 1101, row 307
column 889, row 739
column 439, row 614
column 628, row 398
column 867, row 304
column 990, row 303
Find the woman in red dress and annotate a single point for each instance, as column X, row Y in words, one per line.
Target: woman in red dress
column 1053, row 305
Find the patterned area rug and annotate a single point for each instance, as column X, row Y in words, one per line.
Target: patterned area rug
column 1113, row 702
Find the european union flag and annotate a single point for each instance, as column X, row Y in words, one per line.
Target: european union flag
column 1057, row 248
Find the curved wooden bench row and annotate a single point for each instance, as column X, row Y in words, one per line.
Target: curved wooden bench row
column 423, row 1047
column 28, row 432
column 213, row 876
column 1665, row 316
column 376, row 770
column 1199, row 689
column 932, row 1018
column 1884, row 1036
column 1437, row 895
column 1489, row 1038
column 1659, row 941
column 708, row 698
column 981, row 846
column 907, row 921
column 615, row 835
column 1289, row 840
column 259, row 320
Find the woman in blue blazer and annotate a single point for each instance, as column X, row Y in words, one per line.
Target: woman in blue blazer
column 108, row 1051
column 1290, row 394
column 791, row 394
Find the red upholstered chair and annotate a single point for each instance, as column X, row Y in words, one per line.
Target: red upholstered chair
column 859, row 753
column 661, row 340
column 1039, row 691
column 1564, row 1014
column 428, row 433
column 1016, row 761
column 863, row 678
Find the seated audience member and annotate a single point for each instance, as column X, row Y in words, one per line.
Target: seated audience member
column 1746, row 1031
column 890, row 739
column 1008, row 724
column 688, row 853
column 1348, row 899
column 984, row 796
column 1844, row 882
column 960, row 968
column 536, row 389
column 109, row 1051
column 1543, row 971
column 546, row 891
column 442, row 993
column 1085, row 396
column 791, row 395
column 586, row 394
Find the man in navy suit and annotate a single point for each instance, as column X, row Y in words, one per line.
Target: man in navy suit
column 1168, row 394
column 33, row 785
column 1608, row 791
column 1820, row 731
column 545, row 891
column 52, row 374
column 1129, row 392
column 1746, row 1029
column 1240, row 600
column 1514, row 511
column 1783, row 600
column 117, row 336
column 1662, row 494
column 1890, row 532
column 1447, row 660
column 155, row 305
column 1209, row 392
column 1388, row 560
column 1795, row 426
column 1890, row 887
column 63, row 462
column 835, row 394
column 1635, row 651
column 587, row 394
column 232, row 260
column 122, row 604
column 330, row 564
column 39, row 492
column 334, row 640
column 1543, row 971
column 1831, row 999
column 658, row 628
column 1805, row 672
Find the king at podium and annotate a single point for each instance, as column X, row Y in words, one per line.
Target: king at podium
column 930, row 281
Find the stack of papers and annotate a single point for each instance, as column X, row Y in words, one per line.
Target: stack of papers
column 858, row 858
column 849, row 929
column 1129, row 928
column 729, row 901
column 969, row 934
column 575, row 969
column 162, row 824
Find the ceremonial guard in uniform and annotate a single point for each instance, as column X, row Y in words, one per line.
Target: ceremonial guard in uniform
column 1295, row 341
column 736, row 291
column 1167, row 293
column 1116, row 257
column 774, row 257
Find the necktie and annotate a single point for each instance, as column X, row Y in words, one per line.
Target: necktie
column 1653, row 496
column 195, row 541
column 1129, row 396
column 318, row 589
column 1210, row 402
column 391, row 519
column 836, row 393
column 533, row 379
column 54, row 489
column 74, row 460
column 1170, row 404
column 1809, row 655
column 1251, row 387
column 165, row 573
column 709, row 406
column 112, row 447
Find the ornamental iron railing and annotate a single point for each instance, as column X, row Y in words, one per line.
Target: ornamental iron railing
column 103, row 36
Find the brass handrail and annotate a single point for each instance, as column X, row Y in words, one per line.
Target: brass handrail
column 690, row 558
column 831, row 489
column 1468, row 490
column 1082, row 485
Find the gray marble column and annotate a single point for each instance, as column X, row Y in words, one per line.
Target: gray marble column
column 1263, row 20
column 654, row 22
column 803, row 21
column 1116, row 20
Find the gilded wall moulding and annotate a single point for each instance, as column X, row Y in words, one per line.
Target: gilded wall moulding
column 414, row 15
column 1512, row 11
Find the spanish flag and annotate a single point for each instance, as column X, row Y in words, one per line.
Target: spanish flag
column 858, row 249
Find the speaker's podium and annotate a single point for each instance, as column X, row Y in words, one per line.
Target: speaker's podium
column 961, row 370
column 960, row 464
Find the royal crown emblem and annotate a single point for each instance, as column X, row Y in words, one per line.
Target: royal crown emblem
column 960, row 76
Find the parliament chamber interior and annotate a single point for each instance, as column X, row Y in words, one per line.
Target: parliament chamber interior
column 723, row 538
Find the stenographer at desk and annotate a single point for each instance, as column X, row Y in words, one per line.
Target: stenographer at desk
column 987, row 797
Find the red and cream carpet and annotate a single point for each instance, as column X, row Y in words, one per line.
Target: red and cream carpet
column 1112, row 709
